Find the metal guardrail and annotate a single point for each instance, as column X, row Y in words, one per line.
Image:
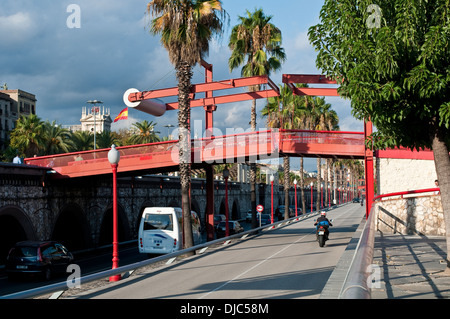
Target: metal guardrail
column 356, row 285
column 63, row 286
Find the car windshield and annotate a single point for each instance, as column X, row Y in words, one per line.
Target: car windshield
column 158, row 221
column 24, row 252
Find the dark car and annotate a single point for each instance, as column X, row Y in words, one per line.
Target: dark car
column 38, row 257
column 234, row 228
column 266, row 219
column 356, row 200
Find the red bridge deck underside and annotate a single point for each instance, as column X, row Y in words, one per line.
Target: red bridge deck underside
column 238, row 148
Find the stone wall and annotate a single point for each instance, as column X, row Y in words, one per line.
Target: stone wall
column 399, row 175
column 421, row 215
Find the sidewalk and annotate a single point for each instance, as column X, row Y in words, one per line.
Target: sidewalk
column 411, row 267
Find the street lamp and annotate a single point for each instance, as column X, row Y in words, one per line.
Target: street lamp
column 94, row 109
column 168, row 128
column 295, row 192
column 312, row 184
column 114, row 158
column 271, row 197
column 226, row 174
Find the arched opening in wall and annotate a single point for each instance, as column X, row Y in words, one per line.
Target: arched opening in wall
column 235, row 213
column 222, row 208
column 141, row 211
column 196, row 208
column 106, row 229
column 72, row 229
column 14, row 227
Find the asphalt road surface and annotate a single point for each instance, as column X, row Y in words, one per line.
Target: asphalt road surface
column 285, row 263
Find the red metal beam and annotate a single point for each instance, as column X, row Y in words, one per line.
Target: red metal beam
column 206, row 87
column 307, row 78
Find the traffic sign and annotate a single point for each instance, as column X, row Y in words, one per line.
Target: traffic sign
column 260, row 208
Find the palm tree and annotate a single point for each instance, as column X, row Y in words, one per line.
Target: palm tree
column 186, row 27
column 82, row 141
column 107, row 138
column 256, row 44
column 27, row 137
column 144, row 133
column 57, row 139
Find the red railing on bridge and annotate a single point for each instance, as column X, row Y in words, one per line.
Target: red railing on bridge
column 235, row 148
column 322, row 143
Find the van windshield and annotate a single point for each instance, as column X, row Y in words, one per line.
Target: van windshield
column 158, row 221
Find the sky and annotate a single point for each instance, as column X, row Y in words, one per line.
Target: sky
column 69, row 52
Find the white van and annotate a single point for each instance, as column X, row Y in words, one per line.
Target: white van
column 161, row 230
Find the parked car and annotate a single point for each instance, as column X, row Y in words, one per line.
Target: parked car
column 234, row 228
column 218, row 219
column 356, row 200
column 38, row 257
column 248, row 217
column 266, row 219
column 280, row 212
column 292, row 211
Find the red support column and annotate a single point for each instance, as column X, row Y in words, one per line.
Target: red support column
column 368, row 163
column 209, row 202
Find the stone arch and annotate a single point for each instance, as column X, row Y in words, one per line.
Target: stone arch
column 72, row 228
column 15, row 226
column 196, row 208
column 147, row 203
column 106, row 228
column 235, row 212
column 222, row 208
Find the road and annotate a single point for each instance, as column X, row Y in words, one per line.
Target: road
column 285, row 263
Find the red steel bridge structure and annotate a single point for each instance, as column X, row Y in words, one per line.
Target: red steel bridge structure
column 205, row 152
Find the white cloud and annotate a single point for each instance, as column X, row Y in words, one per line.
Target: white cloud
column 16, row 28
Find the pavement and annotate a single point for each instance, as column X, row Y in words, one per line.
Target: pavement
column 405, row 267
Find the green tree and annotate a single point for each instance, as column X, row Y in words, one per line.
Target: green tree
column 56, row 139
column 82, row 141
column 107, row 138
column 144, row 132
column 255, row 44
column 391, row 59
column 186, row 27
column 28, row 135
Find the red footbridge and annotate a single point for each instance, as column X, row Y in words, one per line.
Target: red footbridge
column 238, row 148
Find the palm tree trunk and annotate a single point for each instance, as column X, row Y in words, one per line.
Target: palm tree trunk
column 184, row 75
column 442, row 163
column 286, row 168
column 318, row 186
column 302, row 186
column 253, row 171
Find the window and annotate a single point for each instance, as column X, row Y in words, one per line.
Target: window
column 158, row 221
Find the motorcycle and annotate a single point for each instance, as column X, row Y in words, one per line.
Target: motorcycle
column 321, row 233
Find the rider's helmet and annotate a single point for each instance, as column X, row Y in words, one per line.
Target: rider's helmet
column 323, row 214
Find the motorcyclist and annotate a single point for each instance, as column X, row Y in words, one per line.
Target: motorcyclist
column 323, row 221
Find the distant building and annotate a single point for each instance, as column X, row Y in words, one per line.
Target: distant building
column 101, row 120
column 13, row 104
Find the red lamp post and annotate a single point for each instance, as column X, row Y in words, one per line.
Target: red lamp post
column 295, row 190
column 114, row 158
column 312, row 184
column 321, row 196
column 226, row 174
column 271, row 197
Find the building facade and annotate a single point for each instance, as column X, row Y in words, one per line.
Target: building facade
column 13, row 104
